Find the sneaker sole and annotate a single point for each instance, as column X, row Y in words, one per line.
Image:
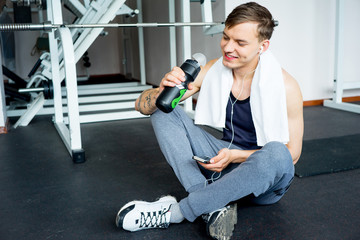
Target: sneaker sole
column 224, row 224
column 131, row 205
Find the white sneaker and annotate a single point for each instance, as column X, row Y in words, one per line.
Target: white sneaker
column 139, row 215
column 220, row 224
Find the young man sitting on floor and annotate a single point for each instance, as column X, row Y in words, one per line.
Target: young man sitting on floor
column 258, row 105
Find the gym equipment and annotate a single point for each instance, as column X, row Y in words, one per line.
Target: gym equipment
column 86, row 60
column 19, row 82
column 47, row 88
column 48, row 26
column 12, row 89
column 14, row 94
column 340, row 85
column 59, row 65
column 39, row 3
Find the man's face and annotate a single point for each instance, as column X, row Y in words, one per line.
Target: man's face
column 240, row 46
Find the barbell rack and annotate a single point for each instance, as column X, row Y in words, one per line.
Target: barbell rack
column 49, row 26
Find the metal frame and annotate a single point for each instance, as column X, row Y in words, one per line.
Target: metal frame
column 66, row 63
column 76, row 7
column 207, row 16
column 49, row 26
column 141, row 44
column 62, row 66
column 55, row 14
column 89, row 98
column 3, row 116
column 70, row 135
column 186, row 41
column 339, row 84
column 210, row 28
column 172, row 34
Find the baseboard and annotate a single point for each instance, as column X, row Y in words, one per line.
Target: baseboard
column 321, row 101
column 313, row 103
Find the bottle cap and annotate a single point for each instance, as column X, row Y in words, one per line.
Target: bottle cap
column 200, row 58
column 191, row 67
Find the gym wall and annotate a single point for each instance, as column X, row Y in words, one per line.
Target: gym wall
column 304, row 42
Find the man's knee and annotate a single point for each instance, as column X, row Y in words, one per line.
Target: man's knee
column 281, row 157
column 156, row 114
column 274, row 155
column 160, row 115
column 277, row 150
column 275, row 146
column 159, row 118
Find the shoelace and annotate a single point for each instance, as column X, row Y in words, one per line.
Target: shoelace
column 206, row 217
column 154, row 219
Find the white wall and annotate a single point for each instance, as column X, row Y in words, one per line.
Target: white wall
column 304, row 42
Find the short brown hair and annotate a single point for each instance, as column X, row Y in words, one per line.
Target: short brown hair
column 253, row 12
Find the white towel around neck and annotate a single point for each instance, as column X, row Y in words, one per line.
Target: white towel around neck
column 267, row 101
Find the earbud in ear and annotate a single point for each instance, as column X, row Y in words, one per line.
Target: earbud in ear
column 261, row 49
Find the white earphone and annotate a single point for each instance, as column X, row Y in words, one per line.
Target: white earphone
column 261, row 49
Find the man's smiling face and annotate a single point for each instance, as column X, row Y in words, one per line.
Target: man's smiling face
column 240, row 46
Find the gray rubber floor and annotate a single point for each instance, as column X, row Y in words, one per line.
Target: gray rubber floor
column 45, row 196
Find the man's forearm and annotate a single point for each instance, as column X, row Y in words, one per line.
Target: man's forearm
column 239, row 156
column 146, row 101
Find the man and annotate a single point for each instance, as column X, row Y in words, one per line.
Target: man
column 262, row 134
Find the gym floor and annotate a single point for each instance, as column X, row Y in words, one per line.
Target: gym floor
column 45, row 196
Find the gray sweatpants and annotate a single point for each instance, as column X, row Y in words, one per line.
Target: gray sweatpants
column 266, row 174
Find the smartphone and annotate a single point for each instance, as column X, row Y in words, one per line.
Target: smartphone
column 202, row 159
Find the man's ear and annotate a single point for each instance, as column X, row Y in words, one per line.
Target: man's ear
column 264, row 46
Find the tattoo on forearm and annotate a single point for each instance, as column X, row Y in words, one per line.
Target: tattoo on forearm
column 148, row 100
column 145, row 99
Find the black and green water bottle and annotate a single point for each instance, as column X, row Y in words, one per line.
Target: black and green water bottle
column 170, row 96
